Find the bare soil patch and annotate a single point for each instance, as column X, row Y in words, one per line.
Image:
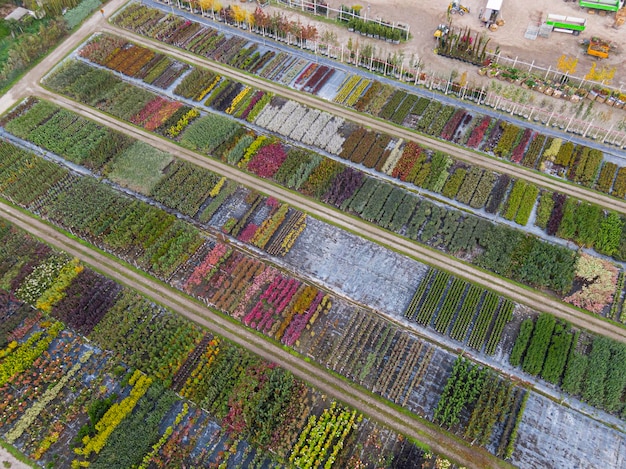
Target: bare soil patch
column 7, row 460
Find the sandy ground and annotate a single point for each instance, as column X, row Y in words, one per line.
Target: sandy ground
column 7, row 460
column 510, row 37
column 424, row 18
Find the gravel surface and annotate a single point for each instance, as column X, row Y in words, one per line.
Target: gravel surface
column 472, row 457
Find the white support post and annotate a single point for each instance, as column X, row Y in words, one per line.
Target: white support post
column 569, row 123
column 608, row 132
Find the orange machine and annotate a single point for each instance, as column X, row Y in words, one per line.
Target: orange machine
column 598, row 48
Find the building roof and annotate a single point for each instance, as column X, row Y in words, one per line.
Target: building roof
column 17, row 14
column 494, row 5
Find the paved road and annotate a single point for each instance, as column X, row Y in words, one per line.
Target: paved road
column 323, row 380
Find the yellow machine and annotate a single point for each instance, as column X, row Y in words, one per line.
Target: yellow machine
column 441, row 31
column 598, row 48
column 456, row 7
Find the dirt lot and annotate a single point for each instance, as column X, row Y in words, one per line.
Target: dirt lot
column 510, row 37
column 424, row 18
column 7, row 460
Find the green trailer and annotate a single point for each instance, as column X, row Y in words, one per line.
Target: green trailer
column 607, row 5
column 566, row 24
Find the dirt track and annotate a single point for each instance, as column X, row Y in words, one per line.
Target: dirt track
column 458, row 152
column 502, row 286
column 413, row 427
column 12, row 461
column 532, row 298
column 30, row 82
column 361, row 400
column 520, row 294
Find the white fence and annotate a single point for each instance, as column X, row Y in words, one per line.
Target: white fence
column 547, row 73
column 323, row 9
column 412, row 71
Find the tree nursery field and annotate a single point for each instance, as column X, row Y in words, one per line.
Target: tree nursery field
column 93, row 374
column 530, row 251
column 145, row 227
column 82, row 390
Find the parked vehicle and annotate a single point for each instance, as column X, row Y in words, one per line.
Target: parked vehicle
column 489, row 14
column 566, row 24
column 598, row 48
column 607, row 5
column 456, row 7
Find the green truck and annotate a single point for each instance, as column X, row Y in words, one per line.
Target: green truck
column 607, row 5
column 566, row 24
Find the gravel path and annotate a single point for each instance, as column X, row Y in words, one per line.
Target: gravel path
column 7, row 460
column 456, row 151
column 409, row 425
column 524, row 295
